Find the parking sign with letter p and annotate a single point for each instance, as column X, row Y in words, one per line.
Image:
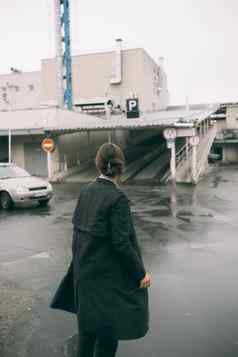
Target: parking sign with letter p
column 132, row 108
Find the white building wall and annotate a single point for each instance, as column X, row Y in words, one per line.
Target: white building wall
column 154, row 90
column 132, row 69
column 221, row 125
column 232, row 117
column 20, row 90
column 230, row 153
column 230, row 150
column 92, row 74
column 141, row 76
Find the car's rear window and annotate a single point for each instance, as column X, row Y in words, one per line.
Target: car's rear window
column 12, row 172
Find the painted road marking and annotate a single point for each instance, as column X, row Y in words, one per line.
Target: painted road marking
column 42, row 255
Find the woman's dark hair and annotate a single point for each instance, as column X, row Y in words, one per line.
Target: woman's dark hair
column 110, row 160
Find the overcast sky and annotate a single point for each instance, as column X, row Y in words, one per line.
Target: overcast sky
column 198, row 39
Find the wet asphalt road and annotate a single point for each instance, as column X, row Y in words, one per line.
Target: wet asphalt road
column 190, row 245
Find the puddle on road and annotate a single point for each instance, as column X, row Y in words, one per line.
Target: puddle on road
column 177, row 229
column 66, row 217
column 29, row 210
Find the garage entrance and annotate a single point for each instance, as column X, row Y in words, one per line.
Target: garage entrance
column 3, row 149
column 35, row 159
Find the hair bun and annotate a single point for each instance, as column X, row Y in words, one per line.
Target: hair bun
column 110, row 159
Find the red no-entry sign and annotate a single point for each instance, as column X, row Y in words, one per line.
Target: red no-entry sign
column 48, row 145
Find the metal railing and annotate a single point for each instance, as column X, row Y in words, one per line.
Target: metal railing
column 183, row 154
column 204, row 148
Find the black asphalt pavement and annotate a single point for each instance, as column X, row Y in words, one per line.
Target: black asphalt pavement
column 190, row 245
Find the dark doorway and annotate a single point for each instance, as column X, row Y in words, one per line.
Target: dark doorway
column 3, row 149
column 218, row 150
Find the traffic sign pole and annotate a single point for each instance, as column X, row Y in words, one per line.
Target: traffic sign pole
column 173, row 161
column 170, row 136
column 194, row 163
column 49, row 164
column 9, row 146
column 194, row 141
column 48, row 145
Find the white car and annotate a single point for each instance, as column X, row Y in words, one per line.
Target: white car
column 18, row 186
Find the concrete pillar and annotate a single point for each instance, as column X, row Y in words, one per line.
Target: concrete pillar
column 109, row 137
column 194, row 163
column 173, row 200
column 224, row 153
column 49, row 165
column 89, row 147
column 78, row 158
column 187, row 147
column 173, row 162
column 65, row 163
column 200, row 130
column 9, row 146
column 108, row 110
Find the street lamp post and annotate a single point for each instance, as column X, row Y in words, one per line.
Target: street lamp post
column 108, row 110
column 9, row 146
column 8, row 99
column 10, row 102
column 170, row 135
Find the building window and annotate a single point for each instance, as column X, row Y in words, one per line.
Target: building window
column 31, row 87
column 4, row 89
column 4, row 97
column 17, row 88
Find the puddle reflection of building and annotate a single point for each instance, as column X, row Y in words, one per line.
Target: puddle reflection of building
column 175, row 206
column 173, row 199
column 194, row 198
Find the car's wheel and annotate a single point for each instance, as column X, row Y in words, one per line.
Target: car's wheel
column 43, row 203
column 5, row 201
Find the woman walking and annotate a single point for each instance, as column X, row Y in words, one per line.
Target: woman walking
column 110, row 281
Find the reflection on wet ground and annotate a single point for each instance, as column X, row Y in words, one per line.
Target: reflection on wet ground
column 189, row 241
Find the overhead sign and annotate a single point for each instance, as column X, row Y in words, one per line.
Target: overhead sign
column 194, row 140
column 170, row 133
column 132, row 108
column 48, row 145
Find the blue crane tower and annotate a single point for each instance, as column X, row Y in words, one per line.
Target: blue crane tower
column 63, row 55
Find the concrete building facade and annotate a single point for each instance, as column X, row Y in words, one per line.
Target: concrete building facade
column 141, row 76
column 97, row 77
column 226, row 143
column 20, row 90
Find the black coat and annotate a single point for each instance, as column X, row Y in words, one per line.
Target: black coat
column 107, row 264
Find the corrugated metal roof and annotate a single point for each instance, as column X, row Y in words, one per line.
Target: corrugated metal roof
column 53, row 119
